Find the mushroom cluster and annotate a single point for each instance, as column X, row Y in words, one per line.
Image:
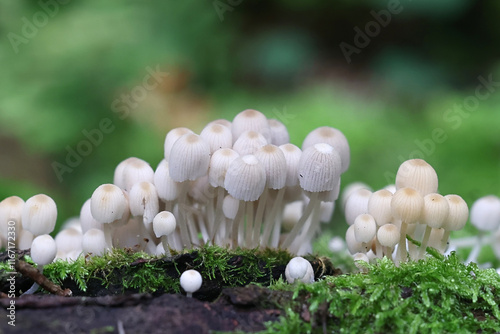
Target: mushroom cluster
column 235, row 184
column 380, row 221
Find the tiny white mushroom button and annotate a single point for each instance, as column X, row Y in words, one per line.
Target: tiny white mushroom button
column 191, row 281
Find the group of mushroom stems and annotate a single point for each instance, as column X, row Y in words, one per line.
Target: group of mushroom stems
column 239, row 184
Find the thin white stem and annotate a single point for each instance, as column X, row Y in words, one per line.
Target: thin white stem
column 296, row 229
column 259, row 216
column 166, row 247
column 269, row 224
column 425, row 241
column 444, row 240
column 182, row 219
column 236, row 224
column 249, row 226
column 219, row 214
column 307, row 235
column 402, row 252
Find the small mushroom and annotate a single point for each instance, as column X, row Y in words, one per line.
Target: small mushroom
column 299, row 269
column 191, row 281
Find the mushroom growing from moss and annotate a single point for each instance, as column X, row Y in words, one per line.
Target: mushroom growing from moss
column 191, row 281
column 299, row 269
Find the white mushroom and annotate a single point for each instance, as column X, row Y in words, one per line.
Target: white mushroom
column 299, row 269
column 191, row 281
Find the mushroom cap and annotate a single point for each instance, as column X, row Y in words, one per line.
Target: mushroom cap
column 11, row 208
column 24, row 239
column 43, row 249
column 135, row 170
column 274, row 162
column 217, row 136
column 332, row 137
column 87, row 221
column 350, row 189
column 245, row 178
column 388, row 235
column 219, row 163
column 164, row 223
column 68, row 240
column 319, row 168
column 356, row 204
column 250, row 120
column 249, row 142
column 171, row 138
column 93, row 241
column 168, row 189
column 39, row 214
column 365, row 228
column 279, row 132
column 292, row 157
column 191, row 280
column 379, row 206
column 108, row 203
column 485, row 213
column 189, row 158
column 458, row 213
column 230, row 207
column 352, row 244
column 143, row 201
column 417, row 174
column 360, row 257
column 299, row 269
column 407, row 204
column 435, row 210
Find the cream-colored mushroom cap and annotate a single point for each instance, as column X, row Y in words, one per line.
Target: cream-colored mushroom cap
column 292, row 156
column 319, row 168
column 11, row 209
column 388, row 235
column 219, row 163
column 379, row 206
column 435, row 210
column 245, row 178
column 417, row 174
column 108, row 203
column 299, row 269
column 249, row 142
column 93, row 241
column 39, row 214
column 217, row 136
column 171, row 138
column 407, row 205
column 143, row 201
column 458, row 213
column 189, row 158
column 365, row 228
column 164, row 223
column 274, row 162
column 250, row 120
column 333, row 137
column 191, row 280
column 43, row 249
column 279, row 132
column 167, row 189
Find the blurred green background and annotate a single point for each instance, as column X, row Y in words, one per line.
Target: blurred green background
column 65, row 65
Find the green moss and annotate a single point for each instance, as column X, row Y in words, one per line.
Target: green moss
column 145, row 273
column 432, row 296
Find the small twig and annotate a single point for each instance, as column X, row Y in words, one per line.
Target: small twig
column 28, row 270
